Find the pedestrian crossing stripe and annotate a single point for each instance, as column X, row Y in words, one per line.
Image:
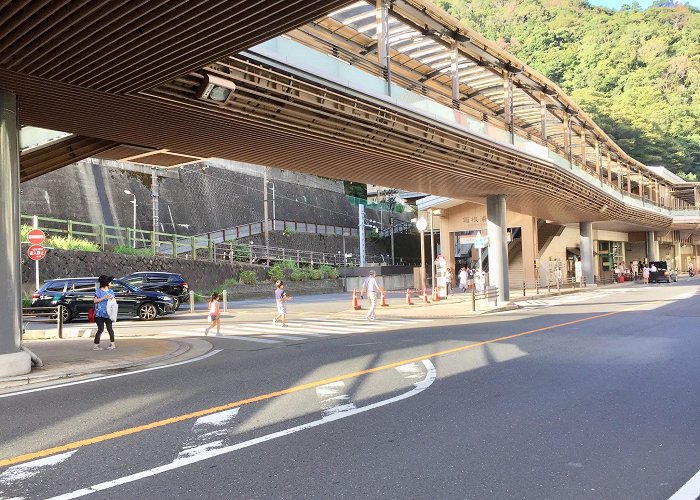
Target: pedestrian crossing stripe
column 266, row 333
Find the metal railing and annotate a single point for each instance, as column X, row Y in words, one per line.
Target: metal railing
column 260, row 253
column 247, row 230
column 52, row 314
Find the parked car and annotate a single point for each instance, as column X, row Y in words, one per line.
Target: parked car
column 170, row 283
column 76, row 295
column 663, row 272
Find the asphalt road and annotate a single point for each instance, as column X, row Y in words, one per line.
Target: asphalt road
column 590, row 396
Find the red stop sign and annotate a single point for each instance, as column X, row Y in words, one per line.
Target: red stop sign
column 35, row 236
column 36, row 252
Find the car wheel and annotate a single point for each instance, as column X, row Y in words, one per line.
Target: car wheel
column 67, row 314
column 147, row 311
column 176, row 303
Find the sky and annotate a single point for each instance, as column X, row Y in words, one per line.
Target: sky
column 616, row 4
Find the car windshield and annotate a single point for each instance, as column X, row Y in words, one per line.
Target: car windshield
column 119, row 286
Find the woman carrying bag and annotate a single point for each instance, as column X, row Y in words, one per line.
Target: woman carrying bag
column 103, row 296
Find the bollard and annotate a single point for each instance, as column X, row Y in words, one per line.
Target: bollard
column 473, row 300
column 549, row 287
column 523, row 289
column 425, row 296
column 225, row 299
column 408, row 297
column 59, row 322
column 537, row 286
column 191, row 301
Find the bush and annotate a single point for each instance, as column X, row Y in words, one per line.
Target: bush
column 248, row 278
column 289, row 264
column 125, row 250
column 333, row 274
column 239, row 251
column 276, row 272
column 288, row 232
column 23, row 233
column 63, row 243
column 315, row 274
column 299, row 275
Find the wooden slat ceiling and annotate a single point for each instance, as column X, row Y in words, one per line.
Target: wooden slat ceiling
column 128, row 72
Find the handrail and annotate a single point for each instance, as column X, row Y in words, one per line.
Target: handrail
column 52, row 314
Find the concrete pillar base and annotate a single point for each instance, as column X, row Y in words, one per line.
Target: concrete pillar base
column 18, row 363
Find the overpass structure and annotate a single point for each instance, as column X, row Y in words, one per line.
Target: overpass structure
column 386, row 92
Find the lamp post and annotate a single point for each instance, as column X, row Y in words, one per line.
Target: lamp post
column 421, row 225
column 391, row 201
column 126, row 191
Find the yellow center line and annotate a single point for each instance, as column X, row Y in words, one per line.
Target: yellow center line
column 188, row 416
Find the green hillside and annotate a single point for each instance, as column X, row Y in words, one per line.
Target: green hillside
column 636, row 72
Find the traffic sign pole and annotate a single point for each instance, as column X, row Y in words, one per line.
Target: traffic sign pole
column 35, row 221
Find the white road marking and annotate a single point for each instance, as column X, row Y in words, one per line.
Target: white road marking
column 333, row 398
column 690, row 490
column 204, row 454
column 97, row 379
column 27, row 470
column 286, row 337
column 205, row 429
column 250, row 339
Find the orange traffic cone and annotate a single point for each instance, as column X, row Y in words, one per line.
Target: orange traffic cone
column 355, row 304
column 408, row 297
column 436, row 295
column 383, row 303
column 425, row 295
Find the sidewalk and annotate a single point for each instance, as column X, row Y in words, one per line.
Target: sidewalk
column 74, row 357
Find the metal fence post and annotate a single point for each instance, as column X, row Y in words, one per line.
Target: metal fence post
column 59, row 322
column 194, row 248
column 128, row 238
column 212, row 257
column 191, row 301
column 225, row 299
column 102, row 237
column 174, row 245
column 70, row 229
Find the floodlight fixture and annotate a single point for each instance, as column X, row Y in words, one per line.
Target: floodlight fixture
column 216, row 89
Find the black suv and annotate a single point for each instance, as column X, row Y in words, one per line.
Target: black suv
column 662, row 273
column 76, row 295
column 170, row 283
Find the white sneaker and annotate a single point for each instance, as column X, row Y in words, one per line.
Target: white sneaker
column 97, row 348
column 112, row 345
column 206, row 331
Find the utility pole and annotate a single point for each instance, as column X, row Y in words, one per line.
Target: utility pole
column 391, row 201
column 265, row 213
column 154, row 200
column 361, row 209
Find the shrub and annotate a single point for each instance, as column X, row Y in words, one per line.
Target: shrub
column 239, row 251
column 289, row 264
column 315, row 274
column 333, row 274
column 248, row 277
column 276, row 272
column 299, row 275
column 125, row 250
column 287, row 232
column 63, row 243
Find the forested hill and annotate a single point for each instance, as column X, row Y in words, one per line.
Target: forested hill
column 636, row 72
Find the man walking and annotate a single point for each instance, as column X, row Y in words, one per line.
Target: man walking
column 372, row 288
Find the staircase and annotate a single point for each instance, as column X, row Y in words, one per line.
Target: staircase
column 400, row 227
column 546, row 232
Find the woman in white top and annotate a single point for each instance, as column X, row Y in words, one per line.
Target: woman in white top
column 463, row 279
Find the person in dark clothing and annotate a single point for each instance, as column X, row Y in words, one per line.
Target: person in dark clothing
column 102, row 295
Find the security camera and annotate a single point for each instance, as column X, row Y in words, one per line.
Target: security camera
column 216, row 89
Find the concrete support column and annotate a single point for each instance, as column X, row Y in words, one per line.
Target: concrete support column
column 678, row 261
column 383, row 55
column 498, row 245
column 12, row 360
column 530, row 251
column 586, row 230
column 652, row 246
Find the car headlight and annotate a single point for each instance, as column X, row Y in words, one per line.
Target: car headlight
column 165, row 298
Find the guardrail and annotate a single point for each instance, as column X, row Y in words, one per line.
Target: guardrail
column 52, row 314
column 490, row 293
column 259, row 253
